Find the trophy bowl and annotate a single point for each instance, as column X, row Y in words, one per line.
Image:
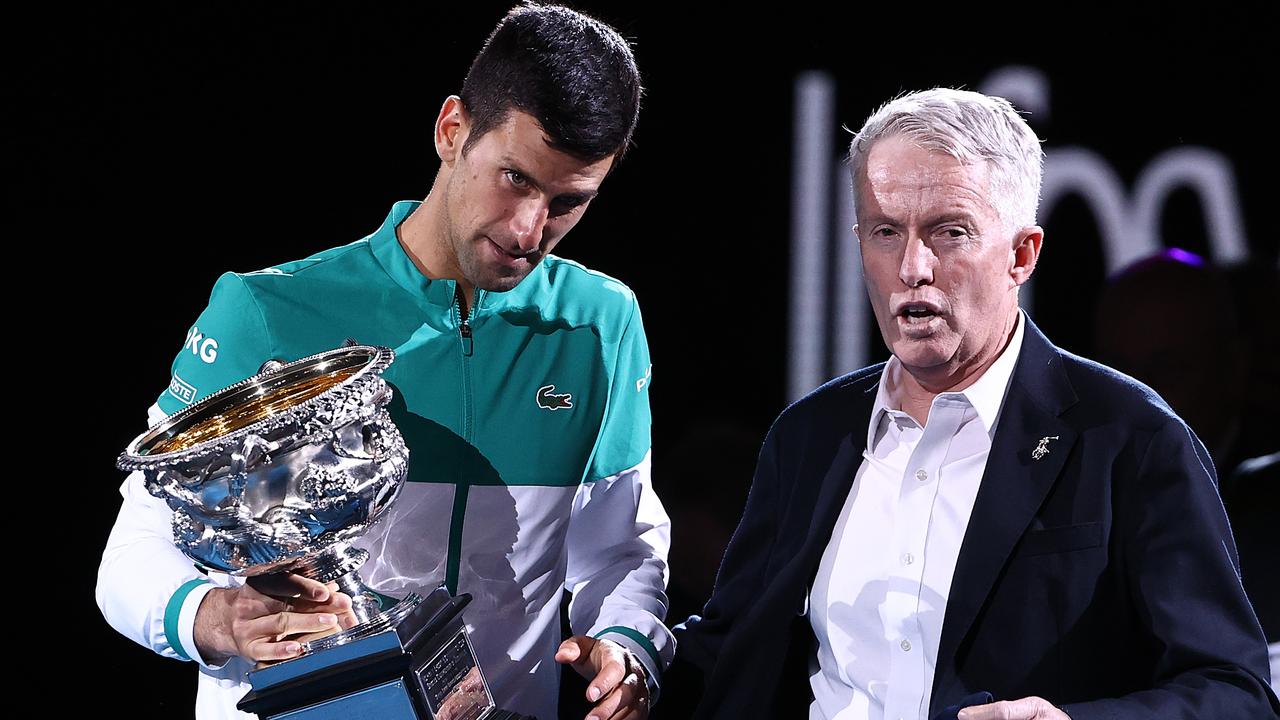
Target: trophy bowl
column 282, row 471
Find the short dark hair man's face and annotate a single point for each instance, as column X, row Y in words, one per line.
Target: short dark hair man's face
column 510, row 197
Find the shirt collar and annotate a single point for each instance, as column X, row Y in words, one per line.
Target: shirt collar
column 399, row 266
column 391, row 255
column 985, row 395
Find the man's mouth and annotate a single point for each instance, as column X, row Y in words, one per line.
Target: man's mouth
column 917, row 312
column 505, row 255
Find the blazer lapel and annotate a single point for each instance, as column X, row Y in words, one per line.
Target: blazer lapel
column 1015, row 482
column 837, row 478
column 820, row 510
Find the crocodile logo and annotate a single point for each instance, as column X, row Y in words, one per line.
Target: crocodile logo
column 548, row 399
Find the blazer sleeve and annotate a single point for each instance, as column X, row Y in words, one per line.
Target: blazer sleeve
column 739, row 582
column 1185, row 586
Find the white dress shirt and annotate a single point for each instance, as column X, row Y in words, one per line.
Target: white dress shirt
column 878, row 600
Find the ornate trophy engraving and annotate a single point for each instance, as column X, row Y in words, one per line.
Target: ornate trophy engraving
column 281, row 472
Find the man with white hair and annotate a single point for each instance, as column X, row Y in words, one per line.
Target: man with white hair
column 985, row 525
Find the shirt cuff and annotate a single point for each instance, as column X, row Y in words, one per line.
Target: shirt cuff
column 642, row 648
column 180, row 620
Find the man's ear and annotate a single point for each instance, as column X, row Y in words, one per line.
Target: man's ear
column 452, row 127
column 1026, row 252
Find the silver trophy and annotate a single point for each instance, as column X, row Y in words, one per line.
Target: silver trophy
column 280, row 473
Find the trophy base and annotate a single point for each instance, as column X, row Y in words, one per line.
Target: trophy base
column 421, row 668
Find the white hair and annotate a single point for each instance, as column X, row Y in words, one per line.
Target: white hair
column 970, row 127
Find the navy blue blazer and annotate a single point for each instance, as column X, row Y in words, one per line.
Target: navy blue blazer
column 1101, row 576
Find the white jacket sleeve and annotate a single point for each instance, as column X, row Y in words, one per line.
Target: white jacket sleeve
column 619, row 536
column 147, row 589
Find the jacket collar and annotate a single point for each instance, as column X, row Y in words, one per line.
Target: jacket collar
column 439, row 293
column 985, row 396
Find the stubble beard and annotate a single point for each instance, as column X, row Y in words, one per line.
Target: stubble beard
column 467, row 251
column 477, row 273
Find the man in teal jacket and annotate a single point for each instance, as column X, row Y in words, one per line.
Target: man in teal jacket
column 522, row 390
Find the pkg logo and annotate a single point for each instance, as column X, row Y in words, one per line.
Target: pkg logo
column 644, row 380
column 549, row 400
column 269, row 271
column 205, row 348
column 183, row 390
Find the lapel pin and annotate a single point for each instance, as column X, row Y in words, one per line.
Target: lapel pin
column 1042, row 448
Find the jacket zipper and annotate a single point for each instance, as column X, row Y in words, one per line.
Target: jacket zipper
column 464, row 324
column 461, row 488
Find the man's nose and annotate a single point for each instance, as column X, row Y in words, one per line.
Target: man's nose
column 527, row 223
column 917, row 262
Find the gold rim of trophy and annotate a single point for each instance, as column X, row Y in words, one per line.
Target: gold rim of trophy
column 243, row 415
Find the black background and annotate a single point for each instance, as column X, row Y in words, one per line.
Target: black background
column 167, row 146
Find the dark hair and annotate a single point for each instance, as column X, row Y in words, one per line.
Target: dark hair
column 574, row 74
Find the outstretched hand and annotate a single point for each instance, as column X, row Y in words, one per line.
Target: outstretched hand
column 616, row 678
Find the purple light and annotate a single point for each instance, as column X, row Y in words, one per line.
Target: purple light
column 1182, row 256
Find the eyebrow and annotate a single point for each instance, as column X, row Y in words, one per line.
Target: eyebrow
column 960, row 216
column 579, row 197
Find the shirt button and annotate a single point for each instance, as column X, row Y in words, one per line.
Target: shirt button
column 921, row 475
column 908, row 559
column 905, row 645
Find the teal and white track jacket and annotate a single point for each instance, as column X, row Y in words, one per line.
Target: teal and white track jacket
column 528, row 429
